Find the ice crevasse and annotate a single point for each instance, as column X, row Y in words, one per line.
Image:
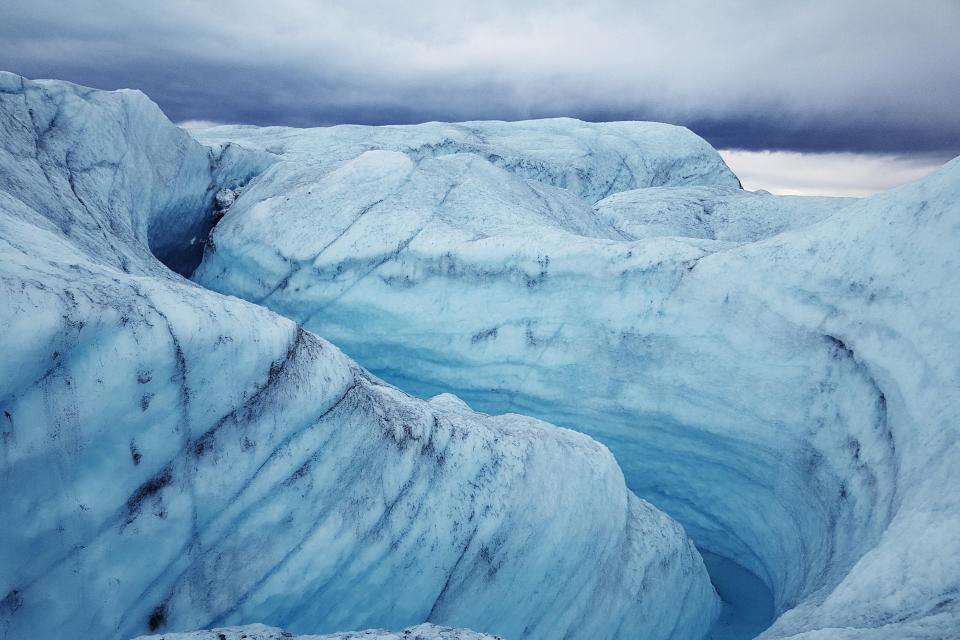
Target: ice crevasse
column 778, row 374
column 173, row 458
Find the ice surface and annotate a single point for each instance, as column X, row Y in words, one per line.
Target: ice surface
column 174, row 459
column 590, row 160
column 779, row 374
column 262, row 632
column 714, row 213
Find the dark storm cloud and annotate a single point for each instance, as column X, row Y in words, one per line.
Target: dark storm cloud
column 876, row 76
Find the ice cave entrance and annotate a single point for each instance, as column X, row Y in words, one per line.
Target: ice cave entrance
column 747, row 601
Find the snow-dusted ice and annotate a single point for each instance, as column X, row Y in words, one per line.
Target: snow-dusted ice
column 711, row 212
column 777, row 373
column 174, row 459
column 263, row 632
column 590, row 160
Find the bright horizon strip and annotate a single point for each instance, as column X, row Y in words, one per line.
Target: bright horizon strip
column 826, row 174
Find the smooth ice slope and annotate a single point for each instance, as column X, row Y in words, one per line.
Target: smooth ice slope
column 175, row 459
column 777, row 373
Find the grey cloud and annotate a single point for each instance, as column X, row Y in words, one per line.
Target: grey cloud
column 813, row 75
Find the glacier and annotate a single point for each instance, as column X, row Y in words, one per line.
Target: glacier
column 174, row 458
column 775, row 377
column 776, row 373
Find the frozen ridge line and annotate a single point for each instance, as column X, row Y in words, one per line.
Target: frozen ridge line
column 174, row 459
column 589, row 160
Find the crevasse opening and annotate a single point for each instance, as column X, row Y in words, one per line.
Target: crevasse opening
column 747, row 601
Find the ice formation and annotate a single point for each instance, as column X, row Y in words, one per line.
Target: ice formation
column 711, row 212
column 263, row 632
column 173, row 458
column 778, row 374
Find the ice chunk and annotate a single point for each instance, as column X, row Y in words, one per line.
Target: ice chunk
column 225, row 198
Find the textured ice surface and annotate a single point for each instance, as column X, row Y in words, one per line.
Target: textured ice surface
column 714, row 213
column 262, row 632
column 174, row 459
column 590, row 160
column 779, row 374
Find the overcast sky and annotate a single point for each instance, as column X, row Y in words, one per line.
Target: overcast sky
column 841, row 76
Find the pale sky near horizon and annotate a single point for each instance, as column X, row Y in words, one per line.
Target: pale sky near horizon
column 826, row 174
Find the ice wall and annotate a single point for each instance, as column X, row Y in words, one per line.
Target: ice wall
column 173, row 458
column 779, row 374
